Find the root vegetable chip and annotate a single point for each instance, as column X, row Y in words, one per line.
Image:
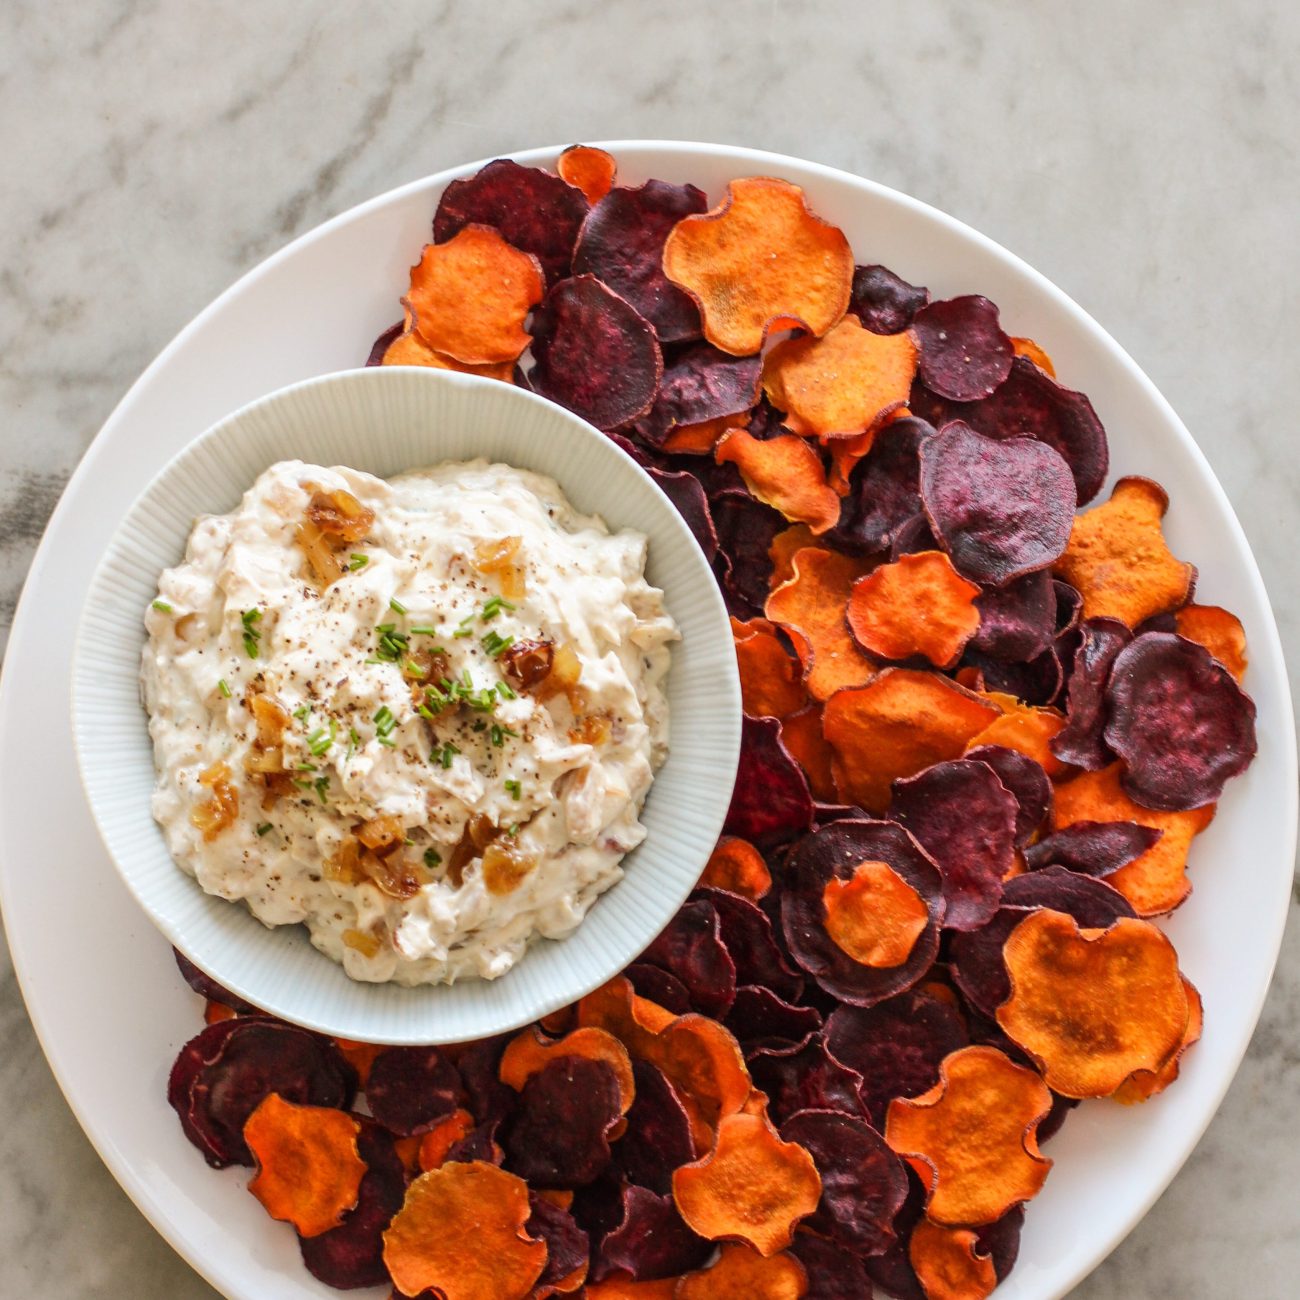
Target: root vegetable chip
column 899, row 724
column 882, row 301
column 1092, row 1006
column 1093, row 848
column 461, row 1234
column 949, row 1264
column 771, row 802
column 842, row 384
column 1079, row 743
column 1029, row 731
column 972, row 1137
column 470, row 296
column 698, row 439
column 534, row 210
column 746, row 528
column 752, row 1187
column 652, row 1241
column 833, row 1272
column 206, row 987
column 567, row 1247
column 736, row 865
column 886, row 492
column 384, row 342
column 658, row 1136
column 1026, row 781
column 531, row 1052
column 587, row 169
column 760, row 262
column 687, row 496
column 771, row 683
column 1142, row 1085
column 691, row 948
column 1028, row 348
column 658, row 985
column 784, row 473
column 918, row 605
column 1017, row 622
column 801, row 733
column 700, row 385
column 1218, row 631
column 804, row 1076
column 740, row 1273
column 845, row 456
column 619, row 1288
column 1178, row 721
column 748, row 937
column 308, row 1168
column 875, row 916
column 436, row 1144
column 1118, row 559
column 703, row 1062
column 759, row 1017
column 594, row 353
column 964, row 353
column 622, row 243
column 1000, row 507
column 411, row 1088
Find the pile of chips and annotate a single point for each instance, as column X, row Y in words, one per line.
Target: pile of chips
column 981, row 732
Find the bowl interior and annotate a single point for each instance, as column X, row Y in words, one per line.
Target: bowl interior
column 384, row 421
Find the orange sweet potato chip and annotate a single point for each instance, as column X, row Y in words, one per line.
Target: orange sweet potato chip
column 875, row 915
column 897, row 725
column 1142, row 1085
column 215, row 1012
column 842, row 384
column 845, row 454
column 785, row 473
column 785, row 546
column 948, row 1264
column 736, row 865
column 460, row 1232
column 531, row 1052
column 308, row 1169
column 973, row 1137
column 471, row 295
column 633, row 1020
column 410, row 349
column 918, row 605
column 741, row 1273
column 1118, row 559
column 623, row 1288
column 771, row 683
column 1026, row 729
column 1218, row 631
column 760, row 262
column 811, row 605
column 701, row 439
column 434, row 1145
column 1028, row 348
column 590, row 170
column 801, row 734
column 361, row 1056
column 751, row 1187
column 1092, row 1006
column 1155, row 882
column 704, row 1061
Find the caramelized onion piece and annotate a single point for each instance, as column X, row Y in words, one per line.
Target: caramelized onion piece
column 566, row 668
column 590, row 730
column 271, row 720
column 502, row 558
column 321, row 560
column 339, row 515
column 220, row 811
column 528, row 663
column 505, row 866
column 368, row 945
column 381, row 834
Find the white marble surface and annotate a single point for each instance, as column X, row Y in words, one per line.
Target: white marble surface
column 1142, row 156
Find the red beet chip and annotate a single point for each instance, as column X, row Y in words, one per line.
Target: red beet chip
column 1178, row 721
column 746, row 528
column 651, row 1240
column 1093, row 848
column 594, row 353
column 482, row 1143
column 833, row 1272
column 1000, row 508
column 567, row 1246
column 559, row 1136
column 1096, row 645
column 1018, row 621
column 700, row 383
column 1025, row 780
column 964, row 353
column 892, row 1271
column 975, row 959
column 1069, row 606
column 659, row 986
column 1037, row 681
column 384, row 342
column 760, row 1018
column 835, row 851
column 886, row 489
column 824, row 813
column 597, row 1208
column 411, row 1088
column 691, row 948
column 352, row 1255
column 895, row 1047
column 622, row 243
column 205, row 986
column 771, row 802
column 534, row 210
column 965, row 819
column 863, row 1182
column 1001, row 1238
column 478, row 1066
column 805, row 1076
column 658, row 1136
column 1050, row 1125
column 684, row 491
column 747, row 934
column 884, row 302
column 915, row 535
column 223, row 1074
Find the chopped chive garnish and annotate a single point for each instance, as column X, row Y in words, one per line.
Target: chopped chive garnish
column 424, row 631
column 162, row 607
column 358, row 561
column 493, row 607
column 384, row 724
column 444, row 755
column 392, row 643
column 514, row 829
column 306, row 767
column 514, row 789
column 466, row 627
column 426, row 712
column 506, row 692
column 303, row 712
column 353, row 741
column 496, row 645
column 396, row 605
column 252, row 637
column 499, row 734
column 319, row 741
column 432, row 858
column 224, row 687
column 322, row 784
column 263, row 828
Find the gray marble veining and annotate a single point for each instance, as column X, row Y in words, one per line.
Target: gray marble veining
column 1142, row 156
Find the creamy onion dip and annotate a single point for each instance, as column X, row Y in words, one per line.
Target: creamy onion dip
column 418, row 716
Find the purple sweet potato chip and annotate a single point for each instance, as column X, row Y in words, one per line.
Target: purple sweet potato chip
column 1001, row 1238
column 1000, row 508
column 1178, row 721
column 411, row 1088
column 823, row 813
column 1050, row 1125
column 863, row 1182
column 478, row 1065
column 892, row 1271
column 833, row 1272
column 383, row 343
column 1018, row 621
column 746, row 528
column 835, row 851
column 884, row 302
column 805, row 1077
column 1094, row 848
column 567, row 1246
column 481, row 1143
column 700, row 383
column 964, row 353
column 913, row 536
column 1069, row 606
column 691, row 948
column 748, row 936
column 1096, row 644
column 224, row 1073
column 1025, row 780
column 598, row 1207
column 533, row 209
column 885, row 489
column 771, row 802
column 759, row 1017
column 651, row 1240
column 659, row 986
column 1038, row 681
column 684, row 491
column 622, row 243
column 559, row 1136
column 594, row 353
column 205, row 986
column 965, row 819
column 895, row 1046
column 658, row 1137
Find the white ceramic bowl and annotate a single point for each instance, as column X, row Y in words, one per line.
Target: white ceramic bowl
column 384, row 421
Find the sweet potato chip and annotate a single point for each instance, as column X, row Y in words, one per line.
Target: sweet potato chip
column 1028, row 348
column 435, row 1145
column 811, row 605
column 460, row 1233
column 702, row 1060
column 1097, row 643
column 1218, row 631
column 1092, row 1006
column 845, row 455
column 1092, row 848
column 1142, row 1085
column 785, row 473
column 746, row 528
column 972, row 1136
column 802, row 735
column 691, row 948
column 918, row 605
column 699, row 439
column 308, row 1168
column 741, row 1273
column 530, row 1053
column 659, row 985
column 215, row 1012
column 771, row 802
column 883, row 301
column 842, row 384
column 409, row 349
column 700, row 385
column 760, row 262
column 964, row 353
column 751, row 1187
column 624, row 1288
column 949, row 1264
column 1118, row 559
column 633, row 1020
column 587, row 169
column 785, row 546
column 1029, row 731
column 759, row 1017
column 1026, row 781
column 895, row 726
column 652, row 1240
column 771, row 683
column 736, row 865
column 875, row 915
column 470, row 296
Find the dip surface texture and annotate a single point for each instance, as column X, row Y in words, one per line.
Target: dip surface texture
column 419, row 716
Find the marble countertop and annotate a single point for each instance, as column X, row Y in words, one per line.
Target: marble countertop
column 1142, row 156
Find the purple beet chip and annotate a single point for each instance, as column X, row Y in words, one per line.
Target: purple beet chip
column 658, row 1137
column 885, row 489
column 659, row 986
column 964, row 353
column 748, row 936
column 805, row 1076
column 478, row 1065
column 1097, row 643
column 651, row 1241
column 746, row 528
column 771, row 802
column 833, row 1272
column 1038, row 681
column 205, row 986
column 411, row 1088
column 884, row 302
column 567, row 1246
column 691, row 948
column 759, row 1017
column 684, row 491
column 1093, row 848
column 384, row 342
column 700, row 383
column 1018, row 621
column 1025, row 780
